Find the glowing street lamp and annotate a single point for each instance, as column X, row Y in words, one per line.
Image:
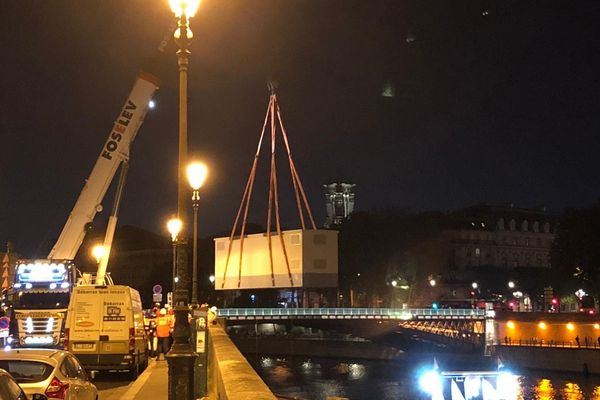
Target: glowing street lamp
column 98, row 251
column 432, row 282
column 511, row 284
column 474, row 285
column 174, row 226
column 394, row 283
column 196, row 174
column 184, row 8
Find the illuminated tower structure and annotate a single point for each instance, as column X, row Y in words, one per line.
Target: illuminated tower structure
column 339, row 202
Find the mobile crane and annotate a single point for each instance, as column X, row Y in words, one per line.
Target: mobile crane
column 42, row 288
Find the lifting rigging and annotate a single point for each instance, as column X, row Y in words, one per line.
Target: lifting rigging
column 273, row 116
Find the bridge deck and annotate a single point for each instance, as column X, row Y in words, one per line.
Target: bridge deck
column 349, row 313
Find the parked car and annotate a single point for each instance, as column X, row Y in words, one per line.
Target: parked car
column 10, row 389
column 56, row 374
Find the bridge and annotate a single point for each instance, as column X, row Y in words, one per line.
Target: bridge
column 400, row 314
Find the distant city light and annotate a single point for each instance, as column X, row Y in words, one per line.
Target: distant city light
column 432, row 282
column 394, row 283
column 511, row 284
column 580, row 294
column 474, row 285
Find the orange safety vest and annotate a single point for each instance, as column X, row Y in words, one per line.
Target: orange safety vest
column 163, row 326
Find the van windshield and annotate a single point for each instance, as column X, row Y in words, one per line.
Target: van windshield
column 27, row 300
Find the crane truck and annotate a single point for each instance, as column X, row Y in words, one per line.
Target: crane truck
column 42, row 288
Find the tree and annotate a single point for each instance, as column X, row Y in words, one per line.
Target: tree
column 575, row 254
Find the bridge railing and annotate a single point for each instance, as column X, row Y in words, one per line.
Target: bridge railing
column 400, row 313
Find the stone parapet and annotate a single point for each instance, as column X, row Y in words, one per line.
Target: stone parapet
column 230, row 376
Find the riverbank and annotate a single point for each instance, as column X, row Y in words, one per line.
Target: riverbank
column 557, row 359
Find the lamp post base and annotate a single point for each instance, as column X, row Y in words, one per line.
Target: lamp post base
column 181, row 358
column 181, row 375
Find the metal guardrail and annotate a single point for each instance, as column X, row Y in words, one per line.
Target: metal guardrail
column 361, row 313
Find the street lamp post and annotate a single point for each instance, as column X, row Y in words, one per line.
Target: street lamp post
column 181, row 357
column 174, row 227
column 196, row 173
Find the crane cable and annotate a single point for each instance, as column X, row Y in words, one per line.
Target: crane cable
column 273, row 111
column 295, row 175
column 247, row 194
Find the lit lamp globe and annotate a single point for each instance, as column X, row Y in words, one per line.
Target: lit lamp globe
column 186, row 8
column 98, row 251
column 196, row 174
column 174, row 226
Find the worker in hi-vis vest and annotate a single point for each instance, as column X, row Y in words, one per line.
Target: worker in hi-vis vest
column 164, row 325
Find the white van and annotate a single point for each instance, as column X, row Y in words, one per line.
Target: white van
column 105, row 328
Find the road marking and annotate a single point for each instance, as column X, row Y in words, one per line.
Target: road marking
column 139, row 383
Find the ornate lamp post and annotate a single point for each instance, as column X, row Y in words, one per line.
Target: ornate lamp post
column 196, row 173
column 174, row 226
column 180, row 357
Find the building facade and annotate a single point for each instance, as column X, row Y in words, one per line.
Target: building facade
column 502, row 237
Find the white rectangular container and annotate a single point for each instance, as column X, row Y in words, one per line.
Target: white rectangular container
column 312, row 256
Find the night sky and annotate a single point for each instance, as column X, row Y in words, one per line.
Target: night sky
column 423, row 104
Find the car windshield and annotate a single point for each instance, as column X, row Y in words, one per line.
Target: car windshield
column 27, row 371
column 28, row 300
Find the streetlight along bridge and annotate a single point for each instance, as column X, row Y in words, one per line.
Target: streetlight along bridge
column 351, row 313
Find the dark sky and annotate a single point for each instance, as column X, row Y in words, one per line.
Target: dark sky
column 494, row 101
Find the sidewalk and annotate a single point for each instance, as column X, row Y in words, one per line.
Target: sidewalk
column 153, row 383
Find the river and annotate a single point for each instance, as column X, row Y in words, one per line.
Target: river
column 318, row 378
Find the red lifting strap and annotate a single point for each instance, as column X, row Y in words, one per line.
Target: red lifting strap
column 273, row 112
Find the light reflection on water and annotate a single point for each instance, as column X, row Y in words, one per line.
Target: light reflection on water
column 316, row 379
